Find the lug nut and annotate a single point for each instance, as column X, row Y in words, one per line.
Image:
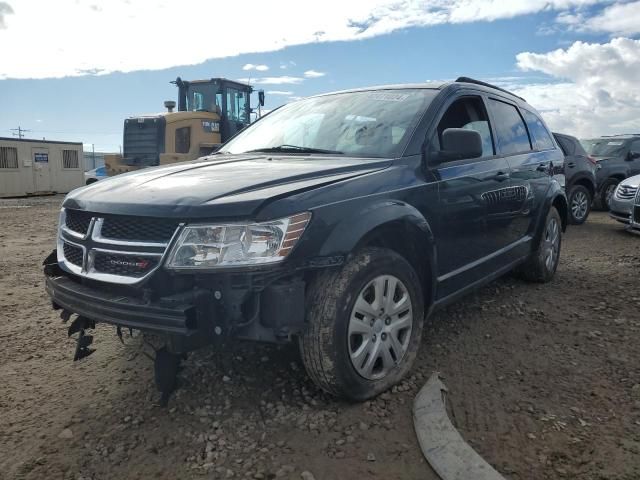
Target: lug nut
column 372, row 322
column 384, row 336
column 387, row 321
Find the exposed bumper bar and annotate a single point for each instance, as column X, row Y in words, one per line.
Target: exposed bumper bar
column 171, row 316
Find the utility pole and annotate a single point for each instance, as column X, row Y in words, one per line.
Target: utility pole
column 19, row 132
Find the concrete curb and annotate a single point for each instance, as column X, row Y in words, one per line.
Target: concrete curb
column 444, row 448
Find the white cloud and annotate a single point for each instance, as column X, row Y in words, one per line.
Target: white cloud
column 5, row 9
column 314, row 74
column 81, row 40
column 279, row 92
column 259, row 68
column 595, row 90
column 621, row 19
column 282, row 80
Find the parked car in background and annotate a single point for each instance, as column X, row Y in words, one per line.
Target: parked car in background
column 580, row 177
column 94, row 175
column 618, row 157
column 337, row 221
column 621, row 203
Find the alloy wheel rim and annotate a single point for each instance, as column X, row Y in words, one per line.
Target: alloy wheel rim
column 579, row 205
column 552, row 243
column 380, row 327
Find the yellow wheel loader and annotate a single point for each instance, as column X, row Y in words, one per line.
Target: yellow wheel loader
column 209, row 113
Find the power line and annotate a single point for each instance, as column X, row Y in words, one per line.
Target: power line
column 19, row 132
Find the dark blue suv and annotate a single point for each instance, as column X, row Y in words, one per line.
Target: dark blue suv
column 339, row 221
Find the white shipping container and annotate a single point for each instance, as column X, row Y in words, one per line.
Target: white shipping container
column 33, row 167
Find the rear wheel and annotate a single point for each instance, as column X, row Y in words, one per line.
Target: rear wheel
column 364, row 324
column 579, row 204
column 542, row 265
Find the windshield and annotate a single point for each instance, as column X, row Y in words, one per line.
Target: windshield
column 604, row 147
column 203, row 97
column 367, row 124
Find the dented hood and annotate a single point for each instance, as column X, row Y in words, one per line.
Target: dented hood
column 216, row 186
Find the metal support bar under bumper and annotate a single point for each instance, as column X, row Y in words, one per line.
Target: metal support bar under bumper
column 174, row 318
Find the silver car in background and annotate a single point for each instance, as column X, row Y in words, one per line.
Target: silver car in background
column 624, row 204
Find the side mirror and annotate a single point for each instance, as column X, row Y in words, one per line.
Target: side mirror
column 632, row 156
column 261, row 97
column 460, row 143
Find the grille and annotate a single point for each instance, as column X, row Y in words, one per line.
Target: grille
column 8, row 157
column 70, row 159
column 636, row 214
column 78, row 221
column 143, row 141
column 136, row 229
column 73, row 254
column 124, row 265
column 626, row 192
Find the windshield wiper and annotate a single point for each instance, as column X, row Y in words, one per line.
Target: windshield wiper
column 295, row 148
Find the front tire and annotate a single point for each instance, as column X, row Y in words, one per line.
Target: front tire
column 364, row 324
column 542, row 265
column 608, row 188
column 579, row 204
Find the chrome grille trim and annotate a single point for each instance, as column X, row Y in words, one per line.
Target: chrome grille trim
column 626, row 192
column 94, row 242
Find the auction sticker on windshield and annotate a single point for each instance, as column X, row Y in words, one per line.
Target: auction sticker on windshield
column 389, row 97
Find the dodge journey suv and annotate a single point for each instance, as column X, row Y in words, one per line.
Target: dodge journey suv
column 338, row 221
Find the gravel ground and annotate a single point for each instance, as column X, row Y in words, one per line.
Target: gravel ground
column 544, row 382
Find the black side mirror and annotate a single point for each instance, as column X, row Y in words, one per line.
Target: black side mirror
column 261, row 97
column 632, row 156
column 460, row 143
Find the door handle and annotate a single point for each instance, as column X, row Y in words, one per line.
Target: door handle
column 500, row 176
column 542, row 168
column 571, row 165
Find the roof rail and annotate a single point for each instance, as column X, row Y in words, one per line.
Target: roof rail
column 485, row 84
column 621, row 135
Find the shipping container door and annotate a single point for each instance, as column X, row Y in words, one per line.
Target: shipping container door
column 41, row 169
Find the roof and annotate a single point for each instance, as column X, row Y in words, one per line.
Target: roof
column 217, row 79
column 33, row 140
column 432, row 86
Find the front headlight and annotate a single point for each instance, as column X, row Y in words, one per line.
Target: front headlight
column 211, row 246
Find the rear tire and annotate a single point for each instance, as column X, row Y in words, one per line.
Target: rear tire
column 579, row 204
column 358, row 352
column 542, row 265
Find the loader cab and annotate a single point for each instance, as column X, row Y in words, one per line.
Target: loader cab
column 229, row 99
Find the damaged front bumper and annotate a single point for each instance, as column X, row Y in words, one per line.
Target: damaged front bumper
column 189, row 312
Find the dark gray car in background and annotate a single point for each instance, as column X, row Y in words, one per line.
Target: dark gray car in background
column 580, row 174
column 618, row 157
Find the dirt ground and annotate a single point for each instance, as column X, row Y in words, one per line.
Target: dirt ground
column 544, row 382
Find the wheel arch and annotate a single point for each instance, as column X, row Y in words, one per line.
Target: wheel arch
column 397, row 226
column 587, row 183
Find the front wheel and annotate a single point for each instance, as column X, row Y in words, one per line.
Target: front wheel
column 608, row 189
column 364, row 324
column 542, row 265
column 579, row 204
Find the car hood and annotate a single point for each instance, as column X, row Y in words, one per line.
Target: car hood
column 632, row 181
column 217, row 186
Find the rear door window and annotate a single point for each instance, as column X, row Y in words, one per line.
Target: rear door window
column 510, row 130
column 540, row 136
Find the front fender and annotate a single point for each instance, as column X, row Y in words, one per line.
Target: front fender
column 347, row 234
